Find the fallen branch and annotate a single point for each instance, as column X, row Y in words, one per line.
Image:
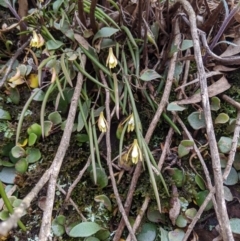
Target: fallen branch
column 223, row 216
column 109, row 161
column 45, row 230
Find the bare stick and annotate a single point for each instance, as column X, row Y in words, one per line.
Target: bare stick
column 140, row 216
column 109, row 161
column 45, row 230
column 231, row 101
column 224, row 220
column 233, row 148
column 7, row 225
column 198, row 214
column 150, row 131
column 165, row 148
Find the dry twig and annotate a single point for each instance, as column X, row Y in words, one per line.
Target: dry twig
column 109, row 161
column 223, row 216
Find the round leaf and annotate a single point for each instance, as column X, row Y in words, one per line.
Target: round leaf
column 32, row 139
column 181, row 221
column 232, row 178
column 222, row 118
column 39, row 96
column 57, row 228
column 4, row 115
column 18, row 151
column 21, row 166
column 148, row 232
column 235, row 225
column 176, row 235
column 149, row 74
column 173, row 106
column 227, row 194
column 196, row 120
column 55, row 118
column 105, row 201
column 84, row 229
column 36, row 129
column 224, row 144
column 155, row 216
column 33, row 155
column 215, row 103
column 102, row 179
column 190, row 213
column 200, row 198
column 7, row 175
column 4, row 215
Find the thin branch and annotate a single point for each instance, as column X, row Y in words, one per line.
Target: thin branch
column 10, row 223
column 109, row 161
column 140, row 216
column 45, row 230
column 224, row 220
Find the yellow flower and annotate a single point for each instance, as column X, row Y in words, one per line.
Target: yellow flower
column 131, row 123
column 37, row 40
column 136, row 154
column 102, row 123
column 54, row 74
column 111, row 59
column 17, row 79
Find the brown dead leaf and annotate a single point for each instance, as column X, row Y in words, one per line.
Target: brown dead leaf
column 175, row 205
column 215, row 89
column 81, row 40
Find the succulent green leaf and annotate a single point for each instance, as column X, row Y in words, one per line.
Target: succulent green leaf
column 55, row 118
column 53, row 44
column 227, row 194
column 215, row 103
column 235, row 225
column 222, row 118
column 33, row 155
column 191, row 213
column 232, row 178
column 105, row 32
column 148, row 232
column 181, row 221
column 18, row 151
column 176, row 235
column 84, row 229
column 4, row 115
column 7, row 175
column 104, row 200
column 196, row 120
column 224, row 144
column 200, row 198
column 21, row 166
column 173, row 106
column 149, row 74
